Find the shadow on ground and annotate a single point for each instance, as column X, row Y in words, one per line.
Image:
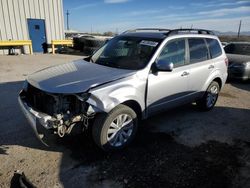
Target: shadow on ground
column 155, row 160
column 244, row 85
column 159, row 158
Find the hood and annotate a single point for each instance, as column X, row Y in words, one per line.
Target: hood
column 236, row 58
column 75, row 77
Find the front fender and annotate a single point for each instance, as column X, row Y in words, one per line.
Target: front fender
column 109, row 96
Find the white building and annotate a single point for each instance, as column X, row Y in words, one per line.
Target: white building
column 37, row 20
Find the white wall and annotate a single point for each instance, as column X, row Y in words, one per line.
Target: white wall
column 14, row 14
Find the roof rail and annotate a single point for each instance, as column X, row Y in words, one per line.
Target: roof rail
column 198, row 31
column 174, row 31
column 147, row 29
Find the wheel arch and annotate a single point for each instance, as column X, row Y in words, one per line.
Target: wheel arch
column 135, row 106
column 215, row 76
column 218, row 80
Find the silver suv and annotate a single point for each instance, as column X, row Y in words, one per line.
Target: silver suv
column 132, row 77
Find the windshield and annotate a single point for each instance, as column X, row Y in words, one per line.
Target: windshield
column 126, row 52
column 241, row 49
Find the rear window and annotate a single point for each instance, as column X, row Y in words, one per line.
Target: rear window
column 241, row 49
column 198, row 50
column 214, row 47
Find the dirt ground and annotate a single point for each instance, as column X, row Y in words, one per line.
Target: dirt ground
column 235, row 38
column 178, row 148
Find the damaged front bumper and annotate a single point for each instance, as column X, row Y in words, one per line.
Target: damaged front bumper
column 46, row 126
column 39, row 121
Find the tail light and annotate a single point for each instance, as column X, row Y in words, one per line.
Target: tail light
column 226, row 61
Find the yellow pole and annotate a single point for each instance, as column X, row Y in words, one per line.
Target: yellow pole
column 53, row 48
column 31, row 49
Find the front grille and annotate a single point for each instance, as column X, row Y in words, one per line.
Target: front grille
column 52, row 104
column 41, row 100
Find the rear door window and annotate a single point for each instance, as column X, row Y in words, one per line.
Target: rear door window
column 214, row 47
column 198, row 50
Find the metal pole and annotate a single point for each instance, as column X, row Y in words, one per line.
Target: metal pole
column 239, row 30
column 67, row 19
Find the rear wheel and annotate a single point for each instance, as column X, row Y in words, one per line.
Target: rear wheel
column 116, row 129
column 210, row 97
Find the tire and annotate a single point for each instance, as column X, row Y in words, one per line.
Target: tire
column 118, row 136
column 210, row 97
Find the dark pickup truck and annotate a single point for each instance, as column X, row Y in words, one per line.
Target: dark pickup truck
column 238, row 54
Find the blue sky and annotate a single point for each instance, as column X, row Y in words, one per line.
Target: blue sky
column 113, row 15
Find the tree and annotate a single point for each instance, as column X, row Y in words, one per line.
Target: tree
column 109, row 33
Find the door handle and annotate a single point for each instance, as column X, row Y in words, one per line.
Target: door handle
column 185, row 73
column 211, row 67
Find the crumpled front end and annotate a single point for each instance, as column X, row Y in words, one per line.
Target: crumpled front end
column 57, row 114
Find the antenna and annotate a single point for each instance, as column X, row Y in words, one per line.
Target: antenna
column 239, row 30
column 67, row 13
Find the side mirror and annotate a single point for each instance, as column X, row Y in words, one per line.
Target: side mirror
column 162, row 65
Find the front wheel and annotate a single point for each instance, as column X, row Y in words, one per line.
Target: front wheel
column 116, row 129
column 210, row 97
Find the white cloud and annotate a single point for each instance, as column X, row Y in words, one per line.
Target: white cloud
column 85, row 6
column 185, row 21
column 115, row 1
column 203, row 14
column 215, row 19
column 223, row 24
column 226, row 11
column 220, row 3
column 218, row 24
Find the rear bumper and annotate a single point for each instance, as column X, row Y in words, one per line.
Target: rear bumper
column 38, row 121
column 238, row 73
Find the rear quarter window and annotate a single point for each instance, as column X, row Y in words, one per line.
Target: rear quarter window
column 198, row 50
column 214, row 48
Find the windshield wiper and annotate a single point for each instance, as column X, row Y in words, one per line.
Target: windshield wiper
column 106, row 63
